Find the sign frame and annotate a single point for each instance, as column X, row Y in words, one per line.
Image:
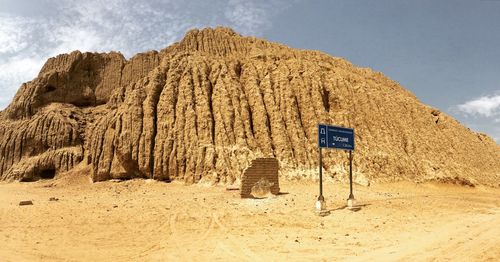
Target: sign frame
column 335, row 137
column 340, row 138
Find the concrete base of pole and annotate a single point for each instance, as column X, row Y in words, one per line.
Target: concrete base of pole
column 351, row 203
column 321, row 208
column 320, row 205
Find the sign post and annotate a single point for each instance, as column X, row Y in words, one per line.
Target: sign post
column 337, row 138
column 350, row 200
column 320, row 204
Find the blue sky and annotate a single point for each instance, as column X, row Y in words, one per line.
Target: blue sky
column 445, row 52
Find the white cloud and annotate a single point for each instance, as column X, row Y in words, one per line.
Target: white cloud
column 481, row 114
column 486, row 106
column 13, row 72
column 69, row 39
column 10, row 38
column 19, row 63
column 253, row 17
column 247, row 16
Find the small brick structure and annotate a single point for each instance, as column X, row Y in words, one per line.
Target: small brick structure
column 266, row 168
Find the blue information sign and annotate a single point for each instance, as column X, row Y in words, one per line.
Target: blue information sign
column 335, row 137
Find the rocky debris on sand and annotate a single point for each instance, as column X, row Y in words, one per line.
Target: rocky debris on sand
column 262, row 188
column 26, row 203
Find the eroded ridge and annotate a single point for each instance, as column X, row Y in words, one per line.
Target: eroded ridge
column 203, row 108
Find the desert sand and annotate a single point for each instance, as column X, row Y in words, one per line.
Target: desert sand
column 148, row 220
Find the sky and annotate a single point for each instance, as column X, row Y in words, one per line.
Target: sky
column 446, row 52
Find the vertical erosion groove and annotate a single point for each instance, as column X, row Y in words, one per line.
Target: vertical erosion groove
column 155, row 97
column 211, row 108
column 153, row 138
column 325, row 94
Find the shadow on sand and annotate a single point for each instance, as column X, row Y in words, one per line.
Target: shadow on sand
column 355, row 208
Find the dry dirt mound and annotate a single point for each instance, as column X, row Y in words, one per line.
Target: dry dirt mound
column 204, row 107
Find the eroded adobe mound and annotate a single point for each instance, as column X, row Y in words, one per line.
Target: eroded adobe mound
column 206, row 106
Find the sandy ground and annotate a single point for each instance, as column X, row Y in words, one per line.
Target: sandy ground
column 143, row 220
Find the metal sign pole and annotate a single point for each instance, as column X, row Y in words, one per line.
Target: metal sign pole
column 350, row 200
column 320, row 198
column 351, row 196
column 320, row 204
